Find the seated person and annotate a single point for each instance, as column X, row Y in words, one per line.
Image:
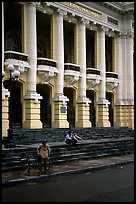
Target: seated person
column 76, row 136
column 70, row 139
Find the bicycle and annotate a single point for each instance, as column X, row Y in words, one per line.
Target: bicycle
column 32, row 161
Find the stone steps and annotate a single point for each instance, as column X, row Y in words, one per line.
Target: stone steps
column 29, row 136
column 60, row 152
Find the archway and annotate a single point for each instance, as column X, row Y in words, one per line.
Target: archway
column 16, row 101
column 109, row 97
column 91, row 95
column 45, row 104
column 69, row 92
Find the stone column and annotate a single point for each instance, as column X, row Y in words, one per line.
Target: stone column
column 83, row 101
column 130, row 68
column 130, row 79
column 32, row 116
column 5, row 92
column 103, row 109
column 119, row 93
column 60, row 105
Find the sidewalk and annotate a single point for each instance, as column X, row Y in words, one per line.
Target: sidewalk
column 13, row 178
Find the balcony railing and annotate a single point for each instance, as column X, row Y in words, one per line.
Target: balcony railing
column 111, row 75
column 15, row 55
column 111, row 81
column 72, row 73
column 47, row 62
column 93, row 77
column 93, row 71
column 18, row 59
column 47, row 69
column 73, row 67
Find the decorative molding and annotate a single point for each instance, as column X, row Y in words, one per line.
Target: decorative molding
column 93, row 79
column 84, row 21
column 84, row 9
column 46, row 69
column 19, row 60
column 61, row 12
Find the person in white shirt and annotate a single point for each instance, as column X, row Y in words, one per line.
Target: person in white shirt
column 71, row 138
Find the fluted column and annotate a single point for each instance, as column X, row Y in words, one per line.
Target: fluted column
column 130, row 68
column 30, row 47
column 130, row 80
column 120, row 119
column 60, row 101
column 83, row 101
column 5, row 92
column 103, row 110
column 118, row 66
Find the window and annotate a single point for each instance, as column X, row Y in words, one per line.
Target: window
column 13, row 42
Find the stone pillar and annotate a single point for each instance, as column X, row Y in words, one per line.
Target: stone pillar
column 125, row 91
column 119, row 92
column 120, row 110
column 32, row 106
column 130, row 68
column 83, row 101
column 60, row 105
column 130, row 80
column 103, row 109
column 5, row 92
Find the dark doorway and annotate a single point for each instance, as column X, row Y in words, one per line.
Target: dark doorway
column 69, row 92
column 16, row 110
column 91, row 95
column 109, row 97
column 45, row 106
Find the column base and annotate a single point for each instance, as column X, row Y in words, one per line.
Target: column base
column 60, row 115
column 60, row 124
column 124, row 116
column 5, row 121
column 103, row 116
column 83, row 116
column 32, row 117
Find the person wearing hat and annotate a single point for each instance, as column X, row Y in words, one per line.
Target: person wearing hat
column 43, row 151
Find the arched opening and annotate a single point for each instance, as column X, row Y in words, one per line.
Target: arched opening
column 45, row 104
column 16, row 101
column 109, row 97
column 69, row 92
column 91, row 95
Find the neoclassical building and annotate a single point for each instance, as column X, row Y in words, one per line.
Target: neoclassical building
column 75, row 61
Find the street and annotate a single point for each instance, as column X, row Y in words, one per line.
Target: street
column 114, row 184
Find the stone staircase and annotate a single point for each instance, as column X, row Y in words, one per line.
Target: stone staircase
column 97, row 142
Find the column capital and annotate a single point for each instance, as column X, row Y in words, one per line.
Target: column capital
column 103, row 28
column 127, row 34
column 118, row 34
column 61, row 12
column 32, row 4
column 71, row 17
column 84, row 21
column 130, row 34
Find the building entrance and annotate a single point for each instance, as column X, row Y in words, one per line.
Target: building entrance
column 70, row 93
column 91, row 95
column 16, row 101
column 45, row 106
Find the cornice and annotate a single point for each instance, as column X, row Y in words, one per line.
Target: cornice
column 115, row 9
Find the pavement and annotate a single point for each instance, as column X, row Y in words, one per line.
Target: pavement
column 18, row 177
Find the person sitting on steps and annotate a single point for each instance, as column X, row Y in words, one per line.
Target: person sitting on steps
column 71, row 138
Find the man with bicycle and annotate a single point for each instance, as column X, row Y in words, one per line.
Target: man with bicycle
column 43, row 151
